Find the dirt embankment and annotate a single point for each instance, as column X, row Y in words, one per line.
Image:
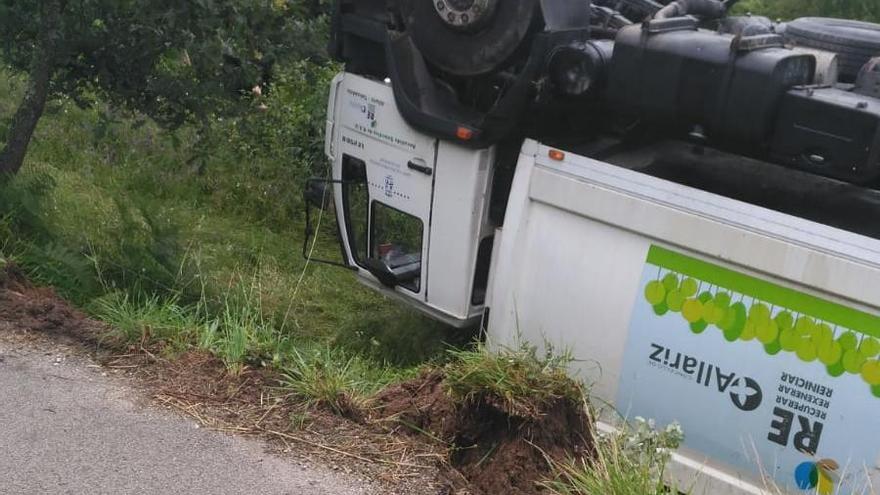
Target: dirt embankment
column 39, row 309
column 415, row 438
column 496, row 451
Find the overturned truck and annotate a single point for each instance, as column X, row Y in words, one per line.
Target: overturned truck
column 685, row 198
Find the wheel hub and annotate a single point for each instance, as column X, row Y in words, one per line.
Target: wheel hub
column 466, row 15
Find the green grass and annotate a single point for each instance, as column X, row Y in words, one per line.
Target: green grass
column 629, row 462
column 525, row 382
column 336, row 379
column 191, row 239
column 146, row 321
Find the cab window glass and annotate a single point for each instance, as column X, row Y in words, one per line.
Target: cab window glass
column 396, row 240
column 356, row 199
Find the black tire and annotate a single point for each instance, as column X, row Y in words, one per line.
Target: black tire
column 855, row 42
column 471, row 54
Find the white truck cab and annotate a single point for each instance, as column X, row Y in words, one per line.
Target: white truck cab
column 414, row 208
column 744, row 309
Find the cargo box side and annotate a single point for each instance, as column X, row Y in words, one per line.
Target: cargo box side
column 755, row 330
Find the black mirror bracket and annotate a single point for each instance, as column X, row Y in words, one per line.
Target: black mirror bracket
column 318, row 194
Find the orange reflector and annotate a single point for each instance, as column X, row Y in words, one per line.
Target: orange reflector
column 464, row 133
column 557, row 155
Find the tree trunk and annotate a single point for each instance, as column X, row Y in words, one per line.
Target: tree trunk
column 31, row 108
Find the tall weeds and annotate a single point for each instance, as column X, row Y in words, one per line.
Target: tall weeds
column 630, row 461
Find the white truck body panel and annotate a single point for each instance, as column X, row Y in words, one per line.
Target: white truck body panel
column 569, row 272
column 461, row 192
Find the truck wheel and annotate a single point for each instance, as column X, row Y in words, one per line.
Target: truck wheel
column 455, row 39
column 856, row 42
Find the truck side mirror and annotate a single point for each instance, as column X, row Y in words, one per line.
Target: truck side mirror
column 382, row 271
column 390, row 277
column 317, row 193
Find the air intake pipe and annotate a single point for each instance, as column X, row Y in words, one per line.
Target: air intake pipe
column 704, row 9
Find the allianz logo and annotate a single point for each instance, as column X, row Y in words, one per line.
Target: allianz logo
column 744, row 392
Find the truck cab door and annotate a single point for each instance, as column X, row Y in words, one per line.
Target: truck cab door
column 383, row 174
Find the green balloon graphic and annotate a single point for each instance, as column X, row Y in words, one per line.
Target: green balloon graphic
column 805, row 326
column 773, row 348
column 728, row 320
column 689, row 287
column 836, row 370
column 784, row 320
column 830, row 352
column 759, row 313
column 674, row 300
column 808, row 338
column 871, row 372
column 849, row 341
column 692, row 310
column 806, row 351
column 713, row 313
column 853, row 361
column 734, row 329
column 869, row 347
column 750, row 331
column 768, row 332
column 655, row 292
column 789, row 339
column 825, row 332
column 699, row 327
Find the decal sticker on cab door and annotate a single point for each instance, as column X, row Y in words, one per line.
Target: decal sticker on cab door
column 765, row 379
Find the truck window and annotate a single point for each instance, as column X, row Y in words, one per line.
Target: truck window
column 356, row 199
column 481, row 272
column 397, row 242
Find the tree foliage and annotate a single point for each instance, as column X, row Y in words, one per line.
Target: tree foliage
column 173, row 61
column 867, row 10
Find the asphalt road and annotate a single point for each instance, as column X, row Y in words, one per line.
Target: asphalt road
column 65, row 427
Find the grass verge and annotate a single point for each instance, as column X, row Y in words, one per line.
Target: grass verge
column 629, row 462
column 190, row 239
column 523, row 382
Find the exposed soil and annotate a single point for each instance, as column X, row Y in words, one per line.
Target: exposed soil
column 496, row 452
column 249, row 402
column 39, row 309
column 415, row 439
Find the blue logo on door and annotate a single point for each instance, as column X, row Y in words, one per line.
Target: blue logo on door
column 389, row 186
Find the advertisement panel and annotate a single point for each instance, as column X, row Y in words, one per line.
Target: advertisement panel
column 774, row 383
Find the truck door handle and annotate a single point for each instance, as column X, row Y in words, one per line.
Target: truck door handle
column 418, row 167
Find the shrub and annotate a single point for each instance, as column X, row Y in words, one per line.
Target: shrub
column 868, row 10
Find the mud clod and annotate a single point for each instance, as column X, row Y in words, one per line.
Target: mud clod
column 498, row 453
